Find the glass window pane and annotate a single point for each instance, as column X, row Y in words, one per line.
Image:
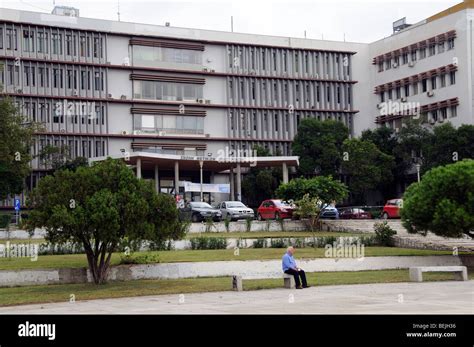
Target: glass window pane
column 148, row 122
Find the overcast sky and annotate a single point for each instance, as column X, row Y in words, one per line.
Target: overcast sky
column 357, row 20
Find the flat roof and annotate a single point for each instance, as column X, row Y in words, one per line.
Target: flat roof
column 219, row 164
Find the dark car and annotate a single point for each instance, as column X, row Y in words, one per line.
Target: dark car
column 354, row 213
column 329, row 212
column 198, row 211
column 275, row 209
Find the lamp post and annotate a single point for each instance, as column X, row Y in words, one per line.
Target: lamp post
column 201, row 163
column 418, row 165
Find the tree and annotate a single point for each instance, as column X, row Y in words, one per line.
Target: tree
column 59, row 158
column 15, row 140
column 260, row 183
column 312, row 196
column 443, row 202
column 325, row 188
column 100, row 207
column 366, row 166
column 383, row 137
column 318, row 144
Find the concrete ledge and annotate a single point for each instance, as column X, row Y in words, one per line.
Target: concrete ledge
column 246, row 269
column 416, row 273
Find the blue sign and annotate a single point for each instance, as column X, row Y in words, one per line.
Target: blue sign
column 17, row 205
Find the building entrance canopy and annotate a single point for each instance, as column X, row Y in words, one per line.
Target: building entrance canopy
column 159, row 161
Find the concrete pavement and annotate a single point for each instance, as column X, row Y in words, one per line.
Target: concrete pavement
column 449, row 297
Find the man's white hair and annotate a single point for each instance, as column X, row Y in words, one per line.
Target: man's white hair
column 289, row 248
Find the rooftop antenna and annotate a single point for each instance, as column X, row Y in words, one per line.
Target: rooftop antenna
column 305, row 34
column 232, row 23
column 118, row 10
column 344, row 37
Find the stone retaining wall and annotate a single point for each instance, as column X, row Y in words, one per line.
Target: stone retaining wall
column 246, row 269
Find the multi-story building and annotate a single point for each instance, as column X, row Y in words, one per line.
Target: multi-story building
column 175, row 101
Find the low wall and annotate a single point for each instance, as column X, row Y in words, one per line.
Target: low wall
column 238, row 226
column 246, row 269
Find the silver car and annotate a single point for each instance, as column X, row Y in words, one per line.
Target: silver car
column 235, row 210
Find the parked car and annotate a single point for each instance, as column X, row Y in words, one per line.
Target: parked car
column 275, row 209
column 198, row 211
column 392, row 208
column 354, row 213
column 235, row 210
column 329, row 212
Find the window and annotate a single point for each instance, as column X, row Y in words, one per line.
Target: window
column 29, row 76
column 43, row 77
column 440, row 47
column 390, row 94
column 443, row 80
column 434, row 115
column 422, row 53
column 70, row 44
column 382, row 97
column 454, row 111
column 96, row 47
column 56, row 43
column 405, row 58
column 450, row 43
column 398, row 92
column 388, row 64
column 381, row 66
column 276, row 122
column 12, row 43
column 98, row 80
column 443, row 113
column 413, row 55
column 415, row 88
column 433, row 82
column 424, row 85
column 328, row 93
column 82, row 46
column 452, row 77
column 432, row 49
column 28, row 40
column 57, row 78
column 407, row 90
column 1, row 38
column 41, row 42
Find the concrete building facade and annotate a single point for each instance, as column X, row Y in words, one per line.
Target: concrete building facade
column 174, row 98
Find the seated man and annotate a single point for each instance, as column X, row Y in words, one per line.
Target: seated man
column 290, row 268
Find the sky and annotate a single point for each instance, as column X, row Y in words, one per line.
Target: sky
column 338, row 20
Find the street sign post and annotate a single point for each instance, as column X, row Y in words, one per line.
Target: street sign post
column 17, row 210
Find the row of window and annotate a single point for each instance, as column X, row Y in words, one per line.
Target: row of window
column 50, row 112
column 277, row 124
column 52, row 41
column 289, row 61
column 432, row 117
column 46, row 76
column 87, row 147
column 159, row 149
column 426, row 84
column 267, row 92
column 152, row 90
column 418, row 54
column 169, row 124
column 149, row 56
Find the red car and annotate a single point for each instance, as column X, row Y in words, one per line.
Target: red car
column 354, row 213
column 274, row 209
column 392, row 209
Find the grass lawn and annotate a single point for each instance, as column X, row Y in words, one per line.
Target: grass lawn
column 61, row 293
column 79, row 260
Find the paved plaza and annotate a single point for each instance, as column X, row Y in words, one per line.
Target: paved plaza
column 449, row 297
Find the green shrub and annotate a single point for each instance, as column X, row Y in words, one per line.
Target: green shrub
column 227, row 223
column 383, row 234
column 139, row 259
column 248, row 224
column 4, row 220
column 208, row 243
column 443, row 202
column 259, row 243
column 278, row 243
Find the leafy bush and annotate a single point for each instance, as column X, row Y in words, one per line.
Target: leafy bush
column 208, row 243
column 383, row 234
column 4, row 220
column 278, row 243
column 227, row 223
column 259, row 243
column 139, row 259
column 443, row 202
column 248, row 224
